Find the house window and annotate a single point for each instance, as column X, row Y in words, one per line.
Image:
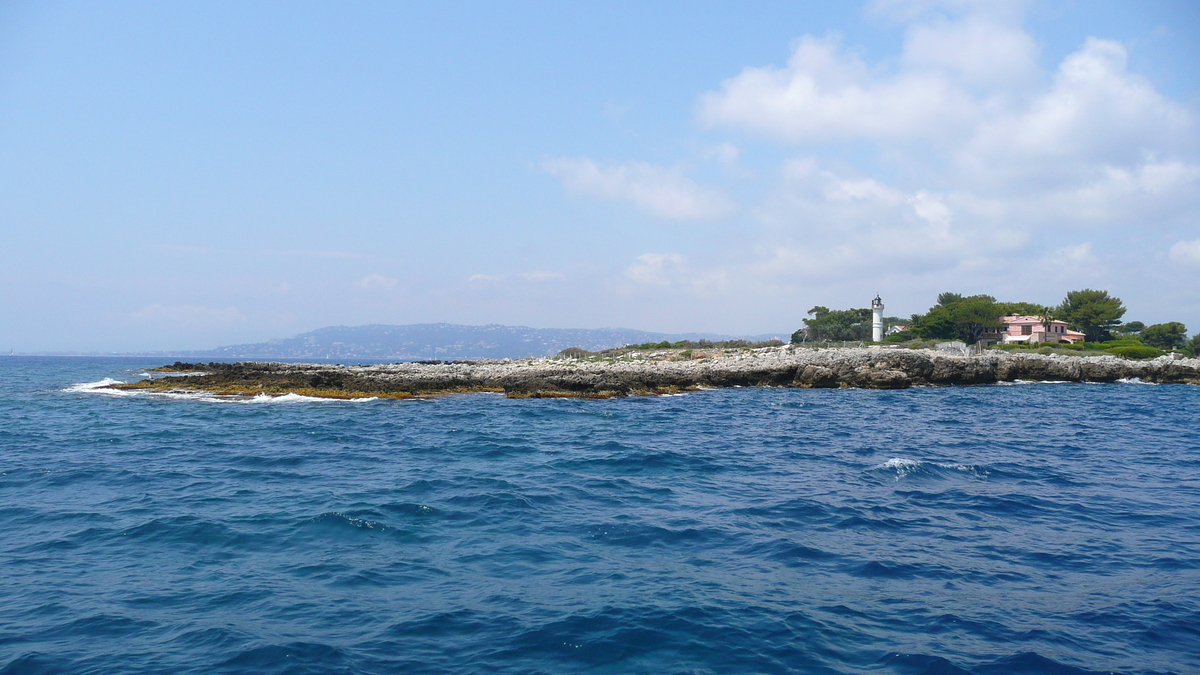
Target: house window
column 1026, row 330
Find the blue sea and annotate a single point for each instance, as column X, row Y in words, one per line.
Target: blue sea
column 1030, row 528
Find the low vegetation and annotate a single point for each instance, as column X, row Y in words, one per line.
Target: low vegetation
column 687, row 348
column 1125, row 348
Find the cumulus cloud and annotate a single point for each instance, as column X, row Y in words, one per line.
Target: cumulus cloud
column 1186, row 253
column 656, row 269
column 1074, row 255
column 823, row 94
column 826, row 225
column 1095, row 114
column 1109, row 194
column 984, row 154
column 373, row 281
column 659, row 191
column 977, row 51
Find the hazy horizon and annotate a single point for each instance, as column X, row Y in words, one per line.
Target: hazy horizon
column 185, row 177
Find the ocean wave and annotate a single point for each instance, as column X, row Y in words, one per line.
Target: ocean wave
column 297, row 398
column 903, row 466
column 100, row 387
column 104, row 387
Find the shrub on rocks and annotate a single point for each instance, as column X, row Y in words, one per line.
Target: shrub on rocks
column 1133, row 351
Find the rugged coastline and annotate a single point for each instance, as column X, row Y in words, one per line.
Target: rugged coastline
column 664, row 371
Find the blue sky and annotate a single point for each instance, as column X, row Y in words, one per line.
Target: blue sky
column 182, row 176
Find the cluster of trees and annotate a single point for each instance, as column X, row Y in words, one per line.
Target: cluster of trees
column 834, row 324
column 1094, row 313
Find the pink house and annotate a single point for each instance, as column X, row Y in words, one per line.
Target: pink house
column 1031, row 329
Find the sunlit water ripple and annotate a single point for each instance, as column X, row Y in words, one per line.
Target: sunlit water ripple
column 1037, row 528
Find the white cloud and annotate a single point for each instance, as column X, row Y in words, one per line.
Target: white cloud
column 976, row 50
column 1075, row 255
column 824, row 226
column 988, row 155
column 373, row 281
column 672, row 272
column 658, row 269
column 656, row 190
column 1114, row 194
column 1095, row 113
column 823, row 95
column 1186, row 253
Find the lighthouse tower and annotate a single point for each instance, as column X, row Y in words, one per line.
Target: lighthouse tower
column 877, row 319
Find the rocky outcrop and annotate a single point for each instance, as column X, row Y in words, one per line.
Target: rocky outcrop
column 673, row 370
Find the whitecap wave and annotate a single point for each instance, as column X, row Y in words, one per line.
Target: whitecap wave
column 258, row 398
column 1134, row 380
column 900, row 465
column 903, row 466
column 100, row 387
column 298, row 398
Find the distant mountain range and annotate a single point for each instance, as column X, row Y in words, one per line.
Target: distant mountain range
column 446, row 341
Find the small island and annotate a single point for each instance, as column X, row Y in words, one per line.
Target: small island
column 648, row 371
column 961, row 341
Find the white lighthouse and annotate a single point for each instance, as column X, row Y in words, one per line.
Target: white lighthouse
column 877, row 320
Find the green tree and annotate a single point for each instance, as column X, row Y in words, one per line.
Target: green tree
column 1094, row 313
column 837, row 324
column 1020, row 308
column 1165, row 335
column 948, row 299
column 1132, row 327
column 936, row 324
column 1192, row 347
column 975, row 316
column 956, row 316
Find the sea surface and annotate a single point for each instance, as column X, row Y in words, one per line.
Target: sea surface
column 1030, row 528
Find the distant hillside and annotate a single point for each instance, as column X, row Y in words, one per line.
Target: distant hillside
column 446, row 341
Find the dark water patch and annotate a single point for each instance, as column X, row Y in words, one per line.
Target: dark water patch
column 643, row 536
column 259, row 461
column 297, row 658
column 890, row 569
column 35, row 663
column 1030, row 663
column 788, row 553
column 108, row 626
column 187, row 530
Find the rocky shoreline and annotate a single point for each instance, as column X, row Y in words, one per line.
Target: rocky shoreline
column 665, row 371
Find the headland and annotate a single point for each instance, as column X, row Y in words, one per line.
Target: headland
column 584, row 375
